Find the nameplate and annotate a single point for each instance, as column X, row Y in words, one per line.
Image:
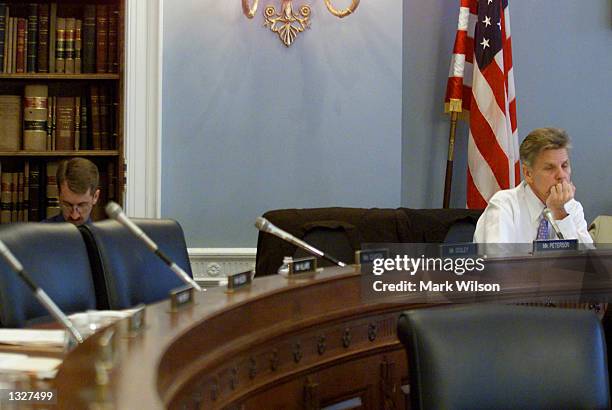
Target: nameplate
column 368, row 256
column 303, row 265
column 136, row 321
column 458, row 250
column 181, row 297
column 239, row 280
column 555, row 245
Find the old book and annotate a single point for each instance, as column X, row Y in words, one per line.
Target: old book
column 49, row 123
column 54, row 123
column 32, row 37
column 94, row 96
column 64, row 134
column 52, row 207
column 84, row 143
column 78, row 46
column 89, row 39
column 101, row 38
column 77, row 123
column 34, row 192
column 60, row 38
column 14, row 46
column 52, row 35
column 3, row 23
column 113, row 26
column 42, row 58
column 112, row 181
column 103, row 100
column 35, row 110
column 20, row 204
column 21, row 44
column 10, row 122
column 26, row 192
column 5, row 197
column 14, row 195
column 7, row 43
column 69, row 46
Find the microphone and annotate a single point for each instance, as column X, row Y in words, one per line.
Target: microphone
column 114, row 211
column 266, row 226
column 549, row 217
column 40, row 294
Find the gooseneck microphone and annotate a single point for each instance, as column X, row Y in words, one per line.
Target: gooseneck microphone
column 115, row 212
column 40, row 294
column 266, row 226
column 549, row 217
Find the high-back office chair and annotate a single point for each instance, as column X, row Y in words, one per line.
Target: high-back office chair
column 505, row 357
column 461, row 231
column 125, row 271
column 56, row 258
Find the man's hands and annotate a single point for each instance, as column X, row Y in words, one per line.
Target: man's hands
column 560, row 194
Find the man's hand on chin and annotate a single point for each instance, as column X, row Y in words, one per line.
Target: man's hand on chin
column 559, row 195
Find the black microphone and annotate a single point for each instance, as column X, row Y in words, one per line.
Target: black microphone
column 40, row 294
column 549, row 217
column 266, row 226
column 115, row 212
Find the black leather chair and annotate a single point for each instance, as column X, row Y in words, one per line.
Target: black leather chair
column 56, row 258
column 461, row 231
column 125, row 271
column 505, row 357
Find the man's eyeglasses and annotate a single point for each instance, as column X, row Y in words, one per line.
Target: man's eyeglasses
column 81, row 208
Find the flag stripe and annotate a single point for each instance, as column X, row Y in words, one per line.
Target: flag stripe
column 482, row 77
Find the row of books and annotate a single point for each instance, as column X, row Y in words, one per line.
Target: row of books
column 62, row 123
column 37, row 38
column 31, row 194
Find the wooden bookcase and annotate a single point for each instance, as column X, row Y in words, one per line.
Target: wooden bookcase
column 102, row 139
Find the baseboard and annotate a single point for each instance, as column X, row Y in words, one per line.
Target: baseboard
column 216, row 263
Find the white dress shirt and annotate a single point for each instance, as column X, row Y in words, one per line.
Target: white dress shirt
column 513, row 216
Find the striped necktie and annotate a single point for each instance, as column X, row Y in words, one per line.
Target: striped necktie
column 543, row 229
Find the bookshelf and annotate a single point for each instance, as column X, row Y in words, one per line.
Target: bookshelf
column 62, row 69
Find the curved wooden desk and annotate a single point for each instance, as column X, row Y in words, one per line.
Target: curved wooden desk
column 288, row 344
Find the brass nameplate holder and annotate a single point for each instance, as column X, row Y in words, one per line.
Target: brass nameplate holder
column 136, row 322
column 368, row 256
column 301, row 266
column 239, row 281
column 181, row 297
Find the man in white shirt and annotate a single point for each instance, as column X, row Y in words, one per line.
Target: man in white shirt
column 516, row 215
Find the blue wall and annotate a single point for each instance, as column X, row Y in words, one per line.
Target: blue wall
column 250, row 125
column 563, row 75
column 351, row 114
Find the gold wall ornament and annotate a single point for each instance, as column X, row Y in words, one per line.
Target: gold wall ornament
column 287, row 23
column 248, row 10
column 342, row 13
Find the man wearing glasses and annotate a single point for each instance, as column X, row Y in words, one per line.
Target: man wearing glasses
column 77, row 181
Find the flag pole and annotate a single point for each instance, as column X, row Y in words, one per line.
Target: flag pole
column 454, row 107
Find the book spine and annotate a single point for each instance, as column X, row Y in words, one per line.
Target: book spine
column 26, row 192
column 20, row 205
column 104, row 118
column 77, row 123
column 89, row 38
column 10, row 122
column 101, row 38
column 52, row 36
column 21, row 44
column 69, row 46
column 95, row 117
column 14, row 45
column 54, row 124
column 49, row 122
column 60, row 38
column 43, row 38
column 32, row 37
column 113, row 25
column 84, row 143
column 6, row 68
column 78, row 46
column 5, row 197
column 3, row 23
column 14, row 195
column 52, row 190
column 34, row 192
column 65, row 124
column 36, row 105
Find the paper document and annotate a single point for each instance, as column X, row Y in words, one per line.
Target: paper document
column 33, row 337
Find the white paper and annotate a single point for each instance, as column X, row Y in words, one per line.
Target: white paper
column 33, row 337
column 43, row 367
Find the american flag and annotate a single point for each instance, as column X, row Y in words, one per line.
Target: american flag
column 481, row 82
